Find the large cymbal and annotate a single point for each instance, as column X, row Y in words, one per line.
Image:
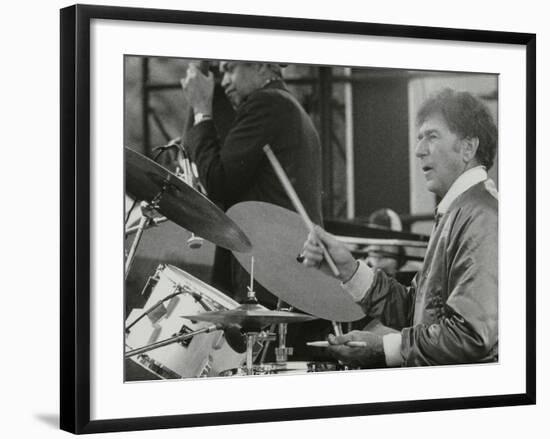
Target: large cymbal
column 250, row 316
column 181, row 203
column 277, row 236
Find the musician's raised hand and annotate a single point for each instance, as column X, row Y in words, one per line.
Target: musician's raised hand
column 198, row 89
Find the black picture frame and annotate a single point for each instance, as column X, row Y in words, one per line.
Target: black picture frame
column 75, row 217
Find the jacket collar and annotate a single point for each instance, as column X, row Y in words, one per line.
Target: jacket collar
column 464, row 182
column 276, row 83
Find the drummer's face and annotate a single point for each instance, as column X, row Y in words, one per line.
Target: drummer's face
column 240, row 79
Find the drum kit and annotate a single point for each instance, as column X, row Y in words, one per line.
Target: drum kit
column 187, row 328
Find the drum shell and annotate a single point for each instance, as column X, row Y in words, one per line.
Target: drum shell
column 203, row 355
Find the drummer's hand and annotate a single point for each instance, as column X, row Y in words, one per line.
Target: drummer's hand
column 198, row 89
column 370, row 356
column 313, row 254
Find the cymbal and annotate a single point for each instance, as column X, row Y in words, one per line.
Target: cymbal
column 277, row 236
column 181, row 203
column 250, row 316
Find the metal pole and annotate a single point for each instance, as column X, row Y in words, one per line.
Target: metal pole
column 171, row 340
column 143, row 223
column 350, row 162
column 250, row 340
column 325, row 96
column 145, row 106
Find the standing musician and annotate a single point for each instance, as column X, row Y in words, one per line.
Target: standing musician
column 450, row 313
column 237, row 169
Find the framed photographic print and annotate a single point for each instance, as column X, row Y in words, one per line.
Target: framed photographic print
column 248, row 218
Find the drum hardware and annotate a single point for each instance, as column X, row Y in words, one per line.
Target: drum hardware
column 252, row 318
column 186, row 173
column 151, row 283
column 160, row 149
column 194, row 241
column 177, row 348
column 147, row 214
column 177, row 290
column 148, row 312
column 282, row 351
column 157, row 220
column 268, row 342
column 182, row 331
column 250, row 341
column 232, row 333
column 201, row 301
column 154, row 222
column 290, row 367
column 175, row 339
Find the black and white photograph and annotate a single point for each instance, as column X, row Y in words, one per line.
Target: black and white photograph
column 272, row 219
column 298, row 218
column 247, row 219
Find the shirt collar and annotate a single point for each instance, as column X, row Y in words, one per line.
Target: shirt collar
column 464, row 182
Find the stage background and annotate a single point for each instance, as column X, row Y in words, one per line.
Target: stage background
column 30, row 220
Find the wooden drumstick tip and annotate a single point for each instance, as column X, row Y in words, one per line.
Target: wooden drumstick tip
column 283, row 178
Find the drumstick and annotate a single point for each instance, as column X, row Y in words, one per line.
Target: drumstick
column 326, row 344
column 337, row 328
column 298, row 205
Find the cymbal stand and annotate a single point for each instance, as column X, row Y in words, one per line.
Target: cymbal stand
column 154, row 222
column 186, row 174
column 252, row 334
column 271, row 330
column 250, row 341
column 252, row 337
column 147, row 213
column 282, row 351
column 171, row 340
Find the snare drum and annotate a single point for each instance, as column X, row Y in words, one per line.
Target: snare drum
column 202, row 355
column 289, row 367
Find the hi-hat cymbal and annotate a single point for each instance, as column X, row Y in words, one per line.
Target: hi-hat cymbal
column 250, row 316
column 181, row 203
column 277, row 236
